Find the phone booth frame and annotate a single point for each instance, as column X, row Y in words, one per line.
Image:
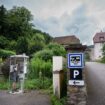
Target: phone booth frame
column 21, row 62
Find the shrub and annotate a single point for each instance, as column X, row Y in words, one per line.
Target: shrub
column 57, row 49
column 42, row 60
column 44, row 83
column 44, row 55
column 5, row 65
column 6, row 53
column 5, row 68
column 38, row 65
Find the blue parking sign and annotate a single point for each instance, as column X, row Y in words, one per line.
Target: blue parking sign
column 75, row 60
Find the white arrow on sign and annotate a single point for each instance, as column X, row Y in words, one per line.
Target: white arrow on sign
column 76, row 82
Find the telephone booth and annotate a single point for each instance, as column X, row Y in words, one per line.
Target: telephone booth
column 18, row 63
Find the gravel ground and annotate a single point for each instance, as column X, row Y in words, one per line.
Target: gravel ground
column 95, row 76
column 28, row 98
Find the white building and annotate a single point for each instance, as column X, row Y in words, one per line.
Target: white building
column 99, row 40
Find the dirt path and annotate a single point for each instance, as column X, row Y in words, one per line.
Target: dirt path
column 29, row 98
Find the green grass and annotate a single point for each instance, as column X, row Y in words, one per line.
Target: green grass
column 4, row 85
column 38, row 83
column 30, row 84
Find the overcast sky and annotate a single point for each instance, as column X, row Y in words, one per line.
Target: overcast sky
column 82, row 18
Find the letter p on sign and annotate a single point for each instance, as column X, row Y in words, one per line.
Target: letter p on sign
column 76, row 73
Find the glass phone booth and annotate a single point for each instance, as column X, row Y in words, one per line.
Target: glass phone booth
column 17, row 74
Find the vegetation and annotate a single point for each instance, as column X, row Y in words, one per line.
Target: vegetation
column 57, row 49
column 18, row 35
column 103, row 53
column 39, row 83
column 42, row 60
column 87, row 56
column 6, row 53
column 40, row 67
column 4, row 85
column 56, row 101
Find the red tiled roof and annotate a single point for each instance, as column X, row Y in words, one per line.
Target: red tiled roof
column 67, row 40
column 99, row 37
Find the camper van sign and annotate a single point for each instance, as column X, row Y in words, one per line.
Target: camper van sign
column 75, row 60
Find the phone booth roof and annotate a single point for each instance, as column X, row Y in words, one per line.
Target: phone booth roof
column 15, row 59
column 19, row 56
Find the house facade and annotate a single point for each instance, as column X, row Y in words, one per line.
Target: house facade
column 99, row 40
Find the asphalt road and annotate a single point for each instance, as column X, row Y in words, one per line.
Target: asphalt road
column 29, row 98
column 95, row 77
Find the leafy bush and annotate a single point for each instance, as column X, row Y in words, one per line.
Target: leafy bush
column 57, row 49
column 35, row 46
column 44, row 55
column 5, row 68
column 38, row 65
column 6, row 53
column 36, row 43
column 42, row 63
column 5, row 65
column 42, row 60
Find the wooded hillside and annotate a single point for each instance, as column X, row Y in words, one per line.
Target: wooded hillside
column 18, row 34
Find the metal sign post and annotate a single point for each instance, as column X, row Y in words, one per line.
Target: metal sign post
column 76, row 65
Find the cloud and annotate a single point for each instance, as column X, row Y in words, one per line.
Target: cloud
column 65, row 17
column 79, row 24
column 82, row 25
column 96, row 9
column 44, row 8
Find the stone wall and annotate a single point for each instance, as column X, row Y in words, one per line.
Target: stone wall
column 76, row 95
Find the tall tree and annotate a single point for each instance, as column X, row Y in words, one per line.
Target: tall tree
column 19, row 21
column 22, row 45
column 36, row 43
column 17, row 32
column 3, row 20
